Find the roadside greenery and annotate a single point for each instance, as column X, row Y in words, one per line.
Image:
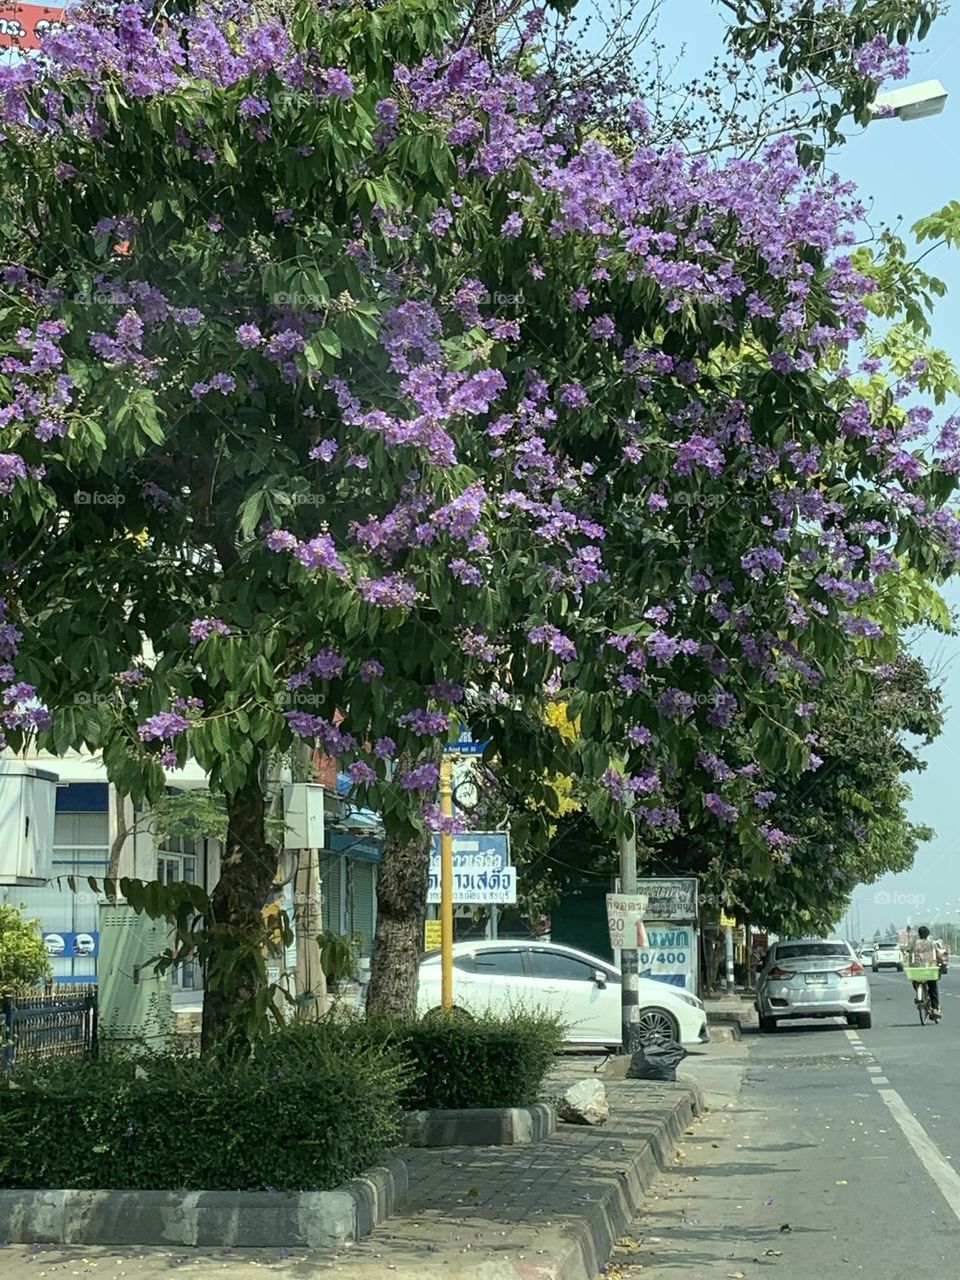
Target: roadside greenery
column 355, row 387
column 23, row 959
column 175, row 1123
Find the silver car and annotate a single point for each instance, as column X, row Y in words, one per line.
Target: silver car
column 812, row 978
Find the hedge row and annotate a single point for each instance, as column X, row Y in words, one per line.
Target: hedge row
column 188, row 1124
column 316, row 1105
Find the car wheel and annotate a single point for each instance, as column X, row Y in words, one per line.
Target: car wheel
column 767, row 1025
column 852, row 1019
column 899, row 968
column 653, row 1023
column 864, row 1021
column 876, row 968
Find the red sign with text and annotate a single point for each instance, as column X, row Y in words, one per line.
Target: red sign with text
column 22, row 26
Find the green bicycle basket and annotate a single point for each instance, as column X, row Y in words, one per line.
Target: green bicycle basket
column 922, row 973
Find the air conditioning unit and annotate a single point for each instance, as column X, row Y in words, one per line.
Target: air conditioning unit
column 135, row 1001
column 28, row 802
column 303, row 815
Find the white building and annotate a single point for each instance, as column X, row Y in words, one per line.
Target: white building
column 86, row 826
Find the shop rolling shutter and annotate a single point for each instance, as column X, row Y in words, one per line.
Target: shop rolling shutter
column 330, row 875
column 362, row 902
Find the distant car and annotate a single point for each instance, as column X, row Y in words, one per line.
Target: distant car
column 866, row 953
column 887, row 955
column 812, row 978
column 579, row 988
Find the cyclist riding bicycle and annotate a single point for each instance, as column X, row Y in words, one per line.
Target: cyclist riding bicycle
column 923, row 952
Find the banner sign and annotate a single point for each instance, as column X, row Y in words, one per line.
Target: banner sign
column 625, row 914
column 674, row 899
column 482, row 874
column 432, row 935
column 670, row 955
column 61, row 945
column 22, row 26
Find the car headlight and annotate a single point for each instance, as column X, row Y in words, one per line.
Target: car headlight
column 689, row 999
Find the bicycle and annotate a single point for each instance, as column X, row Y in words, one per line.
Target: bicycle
column 920, row 975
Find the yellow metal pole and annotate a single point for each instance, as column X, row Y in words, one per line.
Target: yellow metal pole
column 446, row 886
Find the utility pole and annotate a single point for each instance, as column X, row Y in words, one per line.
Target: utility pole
column 446, row 884
column 629, row 956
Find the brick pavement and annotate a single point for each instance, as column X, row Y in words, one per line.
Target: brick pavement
column 550, row 1211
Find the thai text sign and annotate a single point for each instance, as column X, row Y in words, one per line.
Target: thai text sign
column 625, row 914
column 673, row 899
column 22, row 26
column 482, row 874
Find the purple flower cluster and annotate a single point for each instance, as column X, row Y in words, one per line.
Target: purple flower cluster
column 203, row 628
column 425, row 723
column 163, row 727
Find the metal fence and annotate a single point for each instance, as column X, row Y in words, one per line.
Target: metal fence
column 61, row 1023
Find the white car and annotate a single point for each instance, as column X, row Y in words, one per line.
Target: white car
column 887, row 955
column 582, row 990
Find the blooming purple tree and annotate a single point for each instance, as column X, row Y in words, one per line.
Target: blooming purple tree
column 352, row 388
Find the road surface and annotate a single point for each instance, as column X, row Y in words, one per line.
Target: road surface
column 830, row 1154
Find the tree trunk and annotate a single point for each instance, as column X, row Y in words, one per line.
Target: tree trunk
column 116, row 849
column 401, row 911
column 247, row 872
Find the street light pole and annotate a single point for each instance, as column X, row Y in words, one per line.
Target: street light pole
column 629, row 956
column 446, row 884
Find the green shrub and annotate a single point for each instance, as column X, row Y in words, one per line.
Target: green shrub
column 306, row 1116
column 23, row 958
column 485, row 1062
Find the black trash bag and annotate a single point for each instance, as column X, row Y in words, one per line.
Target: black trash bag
column 656, row 1060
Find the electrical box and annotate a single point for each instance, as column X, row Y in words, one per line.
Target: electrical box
column 135, row 1001
column 28, row 802
column 303, row 815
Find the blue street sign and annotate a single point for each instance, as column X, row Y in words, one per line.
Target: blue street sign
column 465, row 745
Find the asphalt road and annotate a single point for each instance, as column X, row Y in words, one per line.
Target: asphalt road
column 829, row 1153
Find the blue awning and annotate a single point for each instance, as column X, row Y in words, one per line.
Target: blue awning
column 365, row 848
column 83, row 797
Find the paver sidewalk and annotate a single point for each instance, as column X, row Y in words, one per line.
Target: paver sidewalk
column 550, row 1211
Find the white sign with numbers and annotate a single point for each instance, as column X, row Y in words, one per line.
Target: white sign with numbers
column 625, row 914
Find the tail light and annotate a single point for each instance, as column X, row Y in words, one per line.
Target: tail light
column 851, row 971
column 780, row 974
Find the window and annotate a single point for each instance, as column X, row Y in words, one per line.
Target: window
column 814, row 951
column 559, row 967
column 498, row 964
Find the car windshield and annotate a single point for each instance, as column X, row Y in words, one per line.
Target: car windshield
column 813, row 951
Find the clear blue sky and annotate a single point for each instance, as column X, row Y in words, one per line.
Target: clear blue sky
column 904, row 170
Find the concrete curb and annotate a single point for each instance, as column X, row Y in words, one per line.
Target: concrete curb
column 483, row 1127
column 726, row 1032
column 205, row 1219
column 606, row 1218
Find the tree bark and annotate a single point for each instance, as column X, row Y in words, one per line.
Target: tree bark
column 247, row 872
column 398, row 942
column 116, row 849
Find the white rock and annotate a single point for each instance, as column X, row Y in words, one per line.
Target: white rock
column 584, row 1103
